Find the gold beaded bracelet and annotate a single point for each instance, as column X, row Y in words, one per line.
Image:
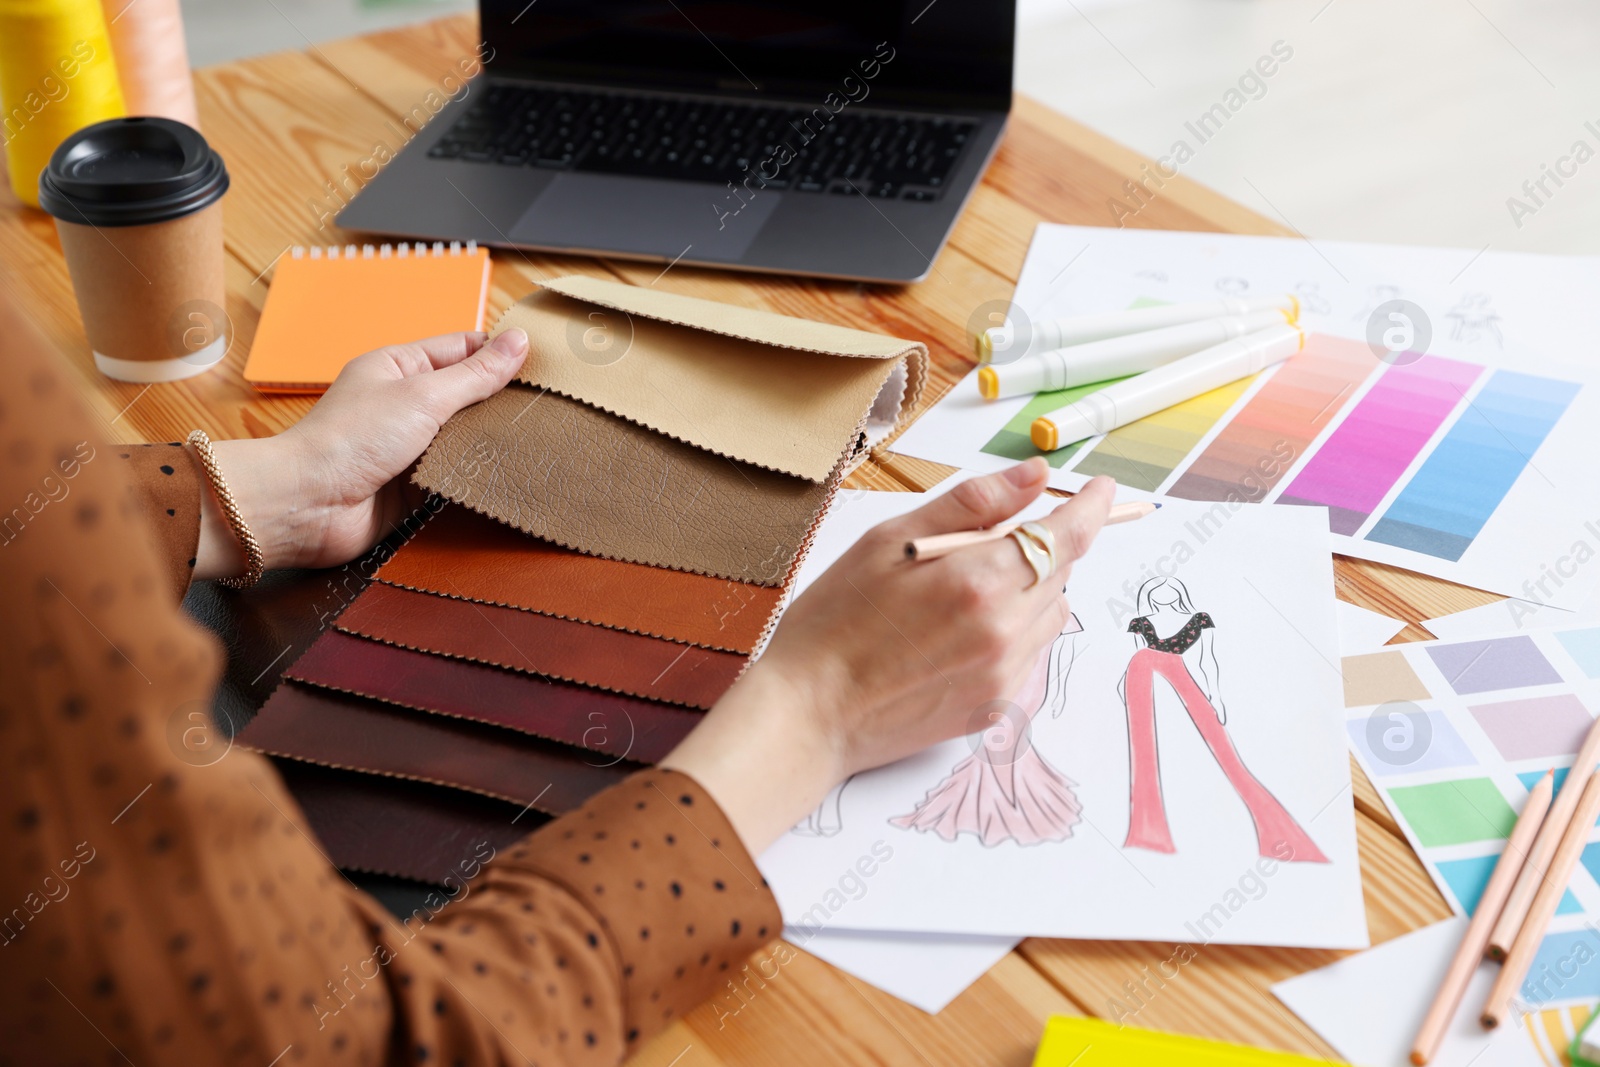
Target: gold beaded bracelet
column 255, row 560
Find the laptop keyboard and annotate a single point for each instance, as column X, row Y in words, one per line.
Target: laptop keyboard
column 893, row 156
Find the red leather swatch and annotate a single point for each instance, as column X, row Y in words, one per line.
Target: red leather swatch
column 557, row 648
column 339, row 730
column 463, row 554
column 608, row 723
column 428, row 833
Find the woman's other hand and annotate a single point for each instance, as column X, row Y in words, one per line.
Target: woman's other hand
column 884, row 656
column 330, row 487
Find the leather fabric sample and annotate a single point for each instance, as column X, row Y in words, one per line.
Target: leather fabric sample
column 609, row 725
column 338, row 730
column 541, row 644
column 463, row 554
column 427, row 833
column 561, row 470
column 780, row 407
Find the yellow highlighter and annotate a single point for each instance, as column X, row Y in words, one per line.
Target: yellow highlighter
column 56, row 77
column 1073, row 1042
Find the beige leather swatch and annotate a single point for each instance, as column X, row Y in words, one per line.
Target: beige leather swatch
column 778, row 392
column 559, row 469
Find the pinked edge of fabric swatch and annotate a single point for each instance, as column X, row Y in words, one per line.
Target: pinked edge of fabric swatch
column 435, row 474
column 532, row 802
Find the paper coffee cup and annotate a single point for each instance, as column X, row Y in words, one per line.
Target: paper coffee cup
column 137, row 206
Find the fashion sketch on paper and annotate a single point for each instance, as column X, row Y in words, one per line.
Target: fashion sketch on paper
column 1176, row 643
column 1006, row 790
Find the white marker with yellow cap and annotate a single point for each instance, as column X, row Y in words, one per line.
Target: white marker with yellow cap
column 1117, row 357
column 1005, row 344
column 1117, row 405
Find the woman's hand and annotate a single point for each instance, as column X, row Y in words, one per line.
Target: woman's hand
column 884, row 656
column 330, row 487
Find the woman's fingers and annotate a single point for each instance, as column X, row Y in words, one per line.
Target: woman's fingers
column 1076, row 522
column 450, row 348
column 475, row 377
column 980, row 502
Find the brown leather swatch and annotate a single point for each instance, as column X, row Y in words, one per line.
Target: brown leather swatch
column 609, row 724
column 542, row 644
column 394, row 826
column 463, row 554
column 339, row 730
column 563, row 471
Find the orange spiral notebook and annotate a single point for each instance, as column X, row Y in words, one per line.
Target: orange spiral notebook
column 327, row 306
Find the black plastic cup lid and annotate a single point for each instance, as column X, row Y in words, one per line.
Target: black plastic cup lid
column 132, row 172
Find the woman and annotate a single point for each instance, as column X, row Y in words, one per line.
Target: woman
column 158, row 912
column 1175, row 641
column 1005, row 790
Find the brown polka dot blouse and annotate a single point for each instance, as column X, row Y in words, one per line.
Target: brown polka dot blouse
column 154, row 912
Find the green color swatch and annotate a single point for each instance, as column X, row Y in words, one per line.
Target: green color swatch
column 1453, row 813
column 1014, row 442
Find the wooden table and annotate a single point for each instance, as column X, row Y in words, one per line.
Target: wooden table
column 292, row 123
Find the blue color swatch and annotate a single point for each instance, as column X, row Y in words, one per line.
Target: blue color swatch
column 1584, row 648
column 1529, row 779
column 1458, row 487
column 1566, row 967
column 1468, row 878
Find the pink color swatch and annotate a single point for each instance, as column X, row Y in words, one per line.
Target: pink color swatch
column 1364, row 457
column 1535, row 727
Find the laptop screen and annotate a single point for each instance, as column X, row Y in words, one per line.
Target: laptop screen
column 944, row 53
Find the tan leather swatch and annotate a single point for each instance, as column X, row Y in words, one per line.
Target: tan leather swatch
column 561, row 470
column 541, row 644
column 463, row 554
column 339, row 730
column 783, row 408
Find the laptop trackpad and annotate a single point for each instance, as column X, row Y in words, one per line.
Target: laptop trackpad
column 641, row 216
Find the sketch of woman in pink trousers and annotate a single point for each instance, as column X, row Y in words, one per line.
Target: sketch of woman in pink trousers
column 1174, row 641
column 1006, row 791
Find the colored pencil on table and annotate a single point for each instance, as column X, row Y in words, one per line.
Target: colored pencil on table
column 1551, row 888
column 926, row 548
column 1544, row 846
column 1470, row 952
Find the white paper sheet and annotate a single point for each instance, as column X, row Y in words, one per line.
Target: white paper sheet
column 1361, row 629
column 1369, row 1006
column 925, row 970
column 1509, row 616
column 1494, row 311
column 1276, row 644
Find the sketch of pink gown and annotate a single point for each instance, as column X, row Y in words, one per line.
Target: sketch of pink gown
column 1006, row 791
column 1164, row 656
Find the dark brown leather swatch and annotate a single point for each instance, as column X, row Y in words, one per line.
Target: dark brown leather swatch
column 609, row 724
column 542, row 644
column 561, row 470
column 461, row 553
column 393, row 826
column 340, row 730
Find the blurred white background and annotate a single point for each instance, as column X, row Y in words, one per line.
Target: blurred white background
column 1408, row 122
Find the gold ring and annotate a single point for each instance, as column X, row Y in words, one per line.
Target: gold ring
column 1045, row 538
column 1035, row 556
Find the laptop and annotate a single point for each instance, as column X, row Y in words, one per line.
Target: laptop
column 834, row 138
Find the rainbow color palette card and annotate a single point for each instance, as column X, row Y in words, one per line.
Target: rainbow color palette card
column 1454, row 734
column 1444, row 410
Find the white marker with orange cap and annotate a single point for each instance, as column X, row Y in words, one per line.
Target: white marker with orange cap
column 1183, row 379
column 1117, row 357
column 1004, row 344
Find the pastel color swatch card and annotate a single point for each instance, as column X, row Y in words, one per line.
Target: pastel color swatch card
column 1454, row 734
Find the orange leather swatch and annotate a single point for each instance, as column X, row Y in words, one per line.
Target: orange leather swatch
column 462, row 554
column 541, row 644
column 561, row 470
column 339, row 730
